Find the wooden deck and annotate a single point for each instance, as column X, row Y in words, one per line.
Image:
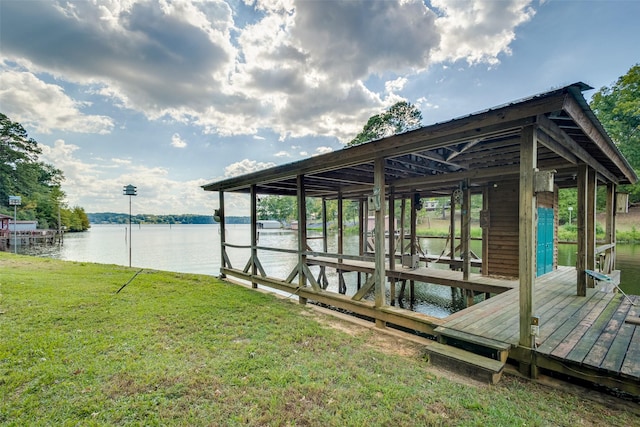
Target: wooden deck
column 593, row 338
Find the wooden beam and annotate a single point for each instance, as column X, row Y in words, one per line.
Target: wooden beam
column 527, row 225
column 591, row 224
column 485, row 233
column 254, row 233
column 302, row 232
column 561, row 143
column 455, row 177
column 581, row 221
column 452, row 230
column 610, row 236
column 223, row 235
column 379, row 194
column 465, row 230
column 599, row 137
column 431, row 137
column 392, row 244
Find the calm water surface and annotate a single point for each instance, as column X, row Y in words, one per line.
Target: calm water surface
column 196, row 249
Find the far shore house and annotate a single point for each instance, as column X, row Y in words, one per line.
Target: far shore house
column 516, row 156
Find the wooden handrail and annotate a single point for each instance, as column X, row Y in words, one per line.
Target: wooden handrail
column 602, row 248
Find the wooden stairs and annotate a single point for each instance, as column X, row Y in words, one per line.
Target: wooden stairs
column 477, row 357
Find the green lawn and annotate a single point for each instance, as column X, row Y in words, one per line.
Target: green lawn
column 182, row 349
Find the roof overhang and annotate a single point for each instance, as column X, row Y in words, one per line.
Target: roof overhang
column 482, row 147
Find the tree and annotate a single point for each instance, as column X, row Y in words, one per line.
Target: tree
column 618, row 109
column 38, row 183
column 399, row 118
column 280, row 208
column 17, row 152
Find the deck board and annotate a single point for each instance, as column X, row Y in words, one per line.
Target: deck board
column 567, row 335
column 631, row 365
column 591, row 335
column 605, row 342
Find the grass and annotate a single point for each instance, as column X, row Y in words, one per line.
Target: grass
column 182, row 349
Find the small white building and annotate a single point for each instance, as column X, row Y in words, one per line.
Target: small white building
column 265, row 224
column 23, row 225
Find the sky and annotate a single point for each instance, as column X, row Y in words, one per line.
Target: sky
column 168, row 95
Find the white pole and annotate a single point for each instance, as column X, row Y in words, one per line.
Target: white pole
column 129, row 230
column 15, row 230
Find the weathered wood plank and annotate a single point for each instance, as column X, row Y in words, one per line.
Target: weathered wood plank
column 553, row 300
column 631, row 365
column 472, row 338
column 486, row 310
column 618, row 350
column 566, row 336
column 605, row 341
column 465, row 362
column 582, row 348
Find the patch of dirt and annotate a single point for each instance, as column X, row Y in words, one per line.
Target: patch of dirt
column 388, row 341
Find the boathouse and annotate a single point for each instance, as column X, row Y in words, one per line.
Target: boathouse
column 517, row 156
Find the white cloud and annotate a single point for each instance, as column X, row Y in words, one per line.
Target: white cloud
column 245, row 166
column 395, row 85
column 258, row 67
column 30, row 101
column 182, row 59
column 478, row 30
column 177, row 141
column 323, row 150
column 94, row 187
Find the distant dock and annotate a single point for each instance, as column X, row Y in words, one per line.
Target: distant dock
column 9, row 239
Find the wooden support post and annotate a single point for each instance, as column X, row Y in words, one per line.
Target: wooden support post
column 340, row 219
column 392, row 244
column 342, row 288
column 485, row 234
column 465, row 232
column 223, row 235
column 324, row 225
column 452, row 231
column 361, row 232
column 322, row 277
column 413, row 232
column 591, row 223
column 581, row 221
column 380, row 256
column 610, row 234
column 469, row 297
column 364, row 230
column 254, row 233
column 526, row 227
column 403, row 207
column 302, row 234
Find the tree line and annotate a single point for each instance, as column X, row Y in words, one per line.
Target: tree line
column 37, row 183
column 122, row 218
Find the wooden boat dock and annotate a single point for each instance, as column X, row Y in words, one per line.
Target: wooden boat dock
column 515, row 160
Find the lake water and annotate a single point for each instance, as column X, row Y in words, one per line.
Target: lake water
column 196, row 249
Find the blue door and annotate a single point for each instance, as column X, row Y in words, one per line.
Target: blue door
column 544, row 253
